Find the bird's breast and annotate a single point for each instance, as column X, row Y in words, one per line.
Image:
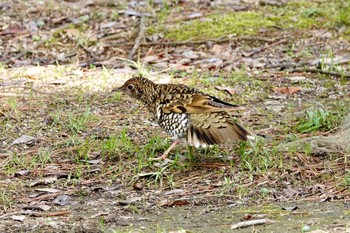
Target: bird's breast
column 173, row 123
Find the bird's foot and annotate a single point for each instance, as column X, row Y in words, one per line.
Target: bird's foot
column 163, row 157
column 165, row 154
column 162, row 160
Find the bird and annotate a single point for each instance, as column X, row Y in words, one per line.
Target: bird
column 185, row 112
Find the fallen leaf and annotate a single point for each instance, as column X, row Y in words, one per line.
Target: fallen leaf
column 33, row 72
column 18, row 217
column 42, row 207
column 72, row 32
column 15, row 29
column 138, row 186
column 179, row 202
column 130, row 200
column 287, row 90
column 217, row 49
column 190, row 54
column 32, row 27
column 108, row 24
column 47, row 180
column 229, row 90
column 23, row 139
column 61, row 200
column 22, row 173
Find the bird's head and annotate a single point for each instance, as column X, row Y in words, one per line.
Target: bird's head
column 136, row 87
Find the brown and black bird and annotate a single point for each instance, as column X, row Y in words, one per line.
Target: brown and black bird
column 184, row 112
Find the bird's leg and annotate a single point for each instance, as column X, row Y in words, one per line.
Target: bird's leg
column 165, row 154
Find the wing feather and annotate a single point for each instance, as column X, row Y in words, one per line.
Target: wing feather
column 195, row 103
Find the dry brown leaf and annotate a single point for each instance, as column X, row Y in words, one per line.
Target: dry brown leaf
column 24, row 139
column 218, row 49
column 15, row 29
column 42, row 207
column 46, row 180
column 229, row 90
column 72, row 32
column 179, row 202
column 287, row 90
column 34, row 72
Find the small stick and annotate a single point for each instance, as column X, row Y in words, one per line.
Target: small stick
column 320, row 71
column 138, row 38
column 214, row 40
column 265, row 47
column 58, row 213
column 251, row 223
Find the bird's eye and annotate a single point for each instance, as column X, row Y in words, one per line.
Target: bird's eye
column 130, row 87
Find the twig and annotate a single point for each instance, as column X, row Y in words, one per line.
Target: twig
column 139, row 38
column 88, row 51
column 265, row 47
column 251, row 223
column 9, row 116
column 58, row 213
column 320, row 71
column 45, row 197
column 215, row 40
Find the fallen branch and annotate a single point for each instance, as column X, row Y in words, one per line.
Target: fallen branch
column 251, row 223
column 340, row 141
column 215, row 40
column 320, row 71
column 139, row 38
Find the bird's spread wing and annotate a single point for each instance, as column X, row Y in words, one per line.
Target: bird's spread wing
column 209, row 121
column 194, row 103
column 214, row 128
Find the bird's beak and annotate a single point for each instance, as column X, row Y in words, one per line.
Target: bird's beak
column 117, row 89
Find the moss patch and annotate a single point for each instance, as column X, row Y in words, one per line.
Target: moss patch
column 217, row 26
column 331, row 15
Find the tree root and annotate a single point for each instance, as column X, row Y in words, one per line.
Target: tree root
column 338, row 142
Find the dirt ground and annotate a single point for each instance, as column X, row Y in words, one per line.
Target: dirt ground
column 75, row 157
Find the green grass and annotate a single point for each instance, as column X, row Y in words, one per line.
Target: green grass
column 317, row 119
